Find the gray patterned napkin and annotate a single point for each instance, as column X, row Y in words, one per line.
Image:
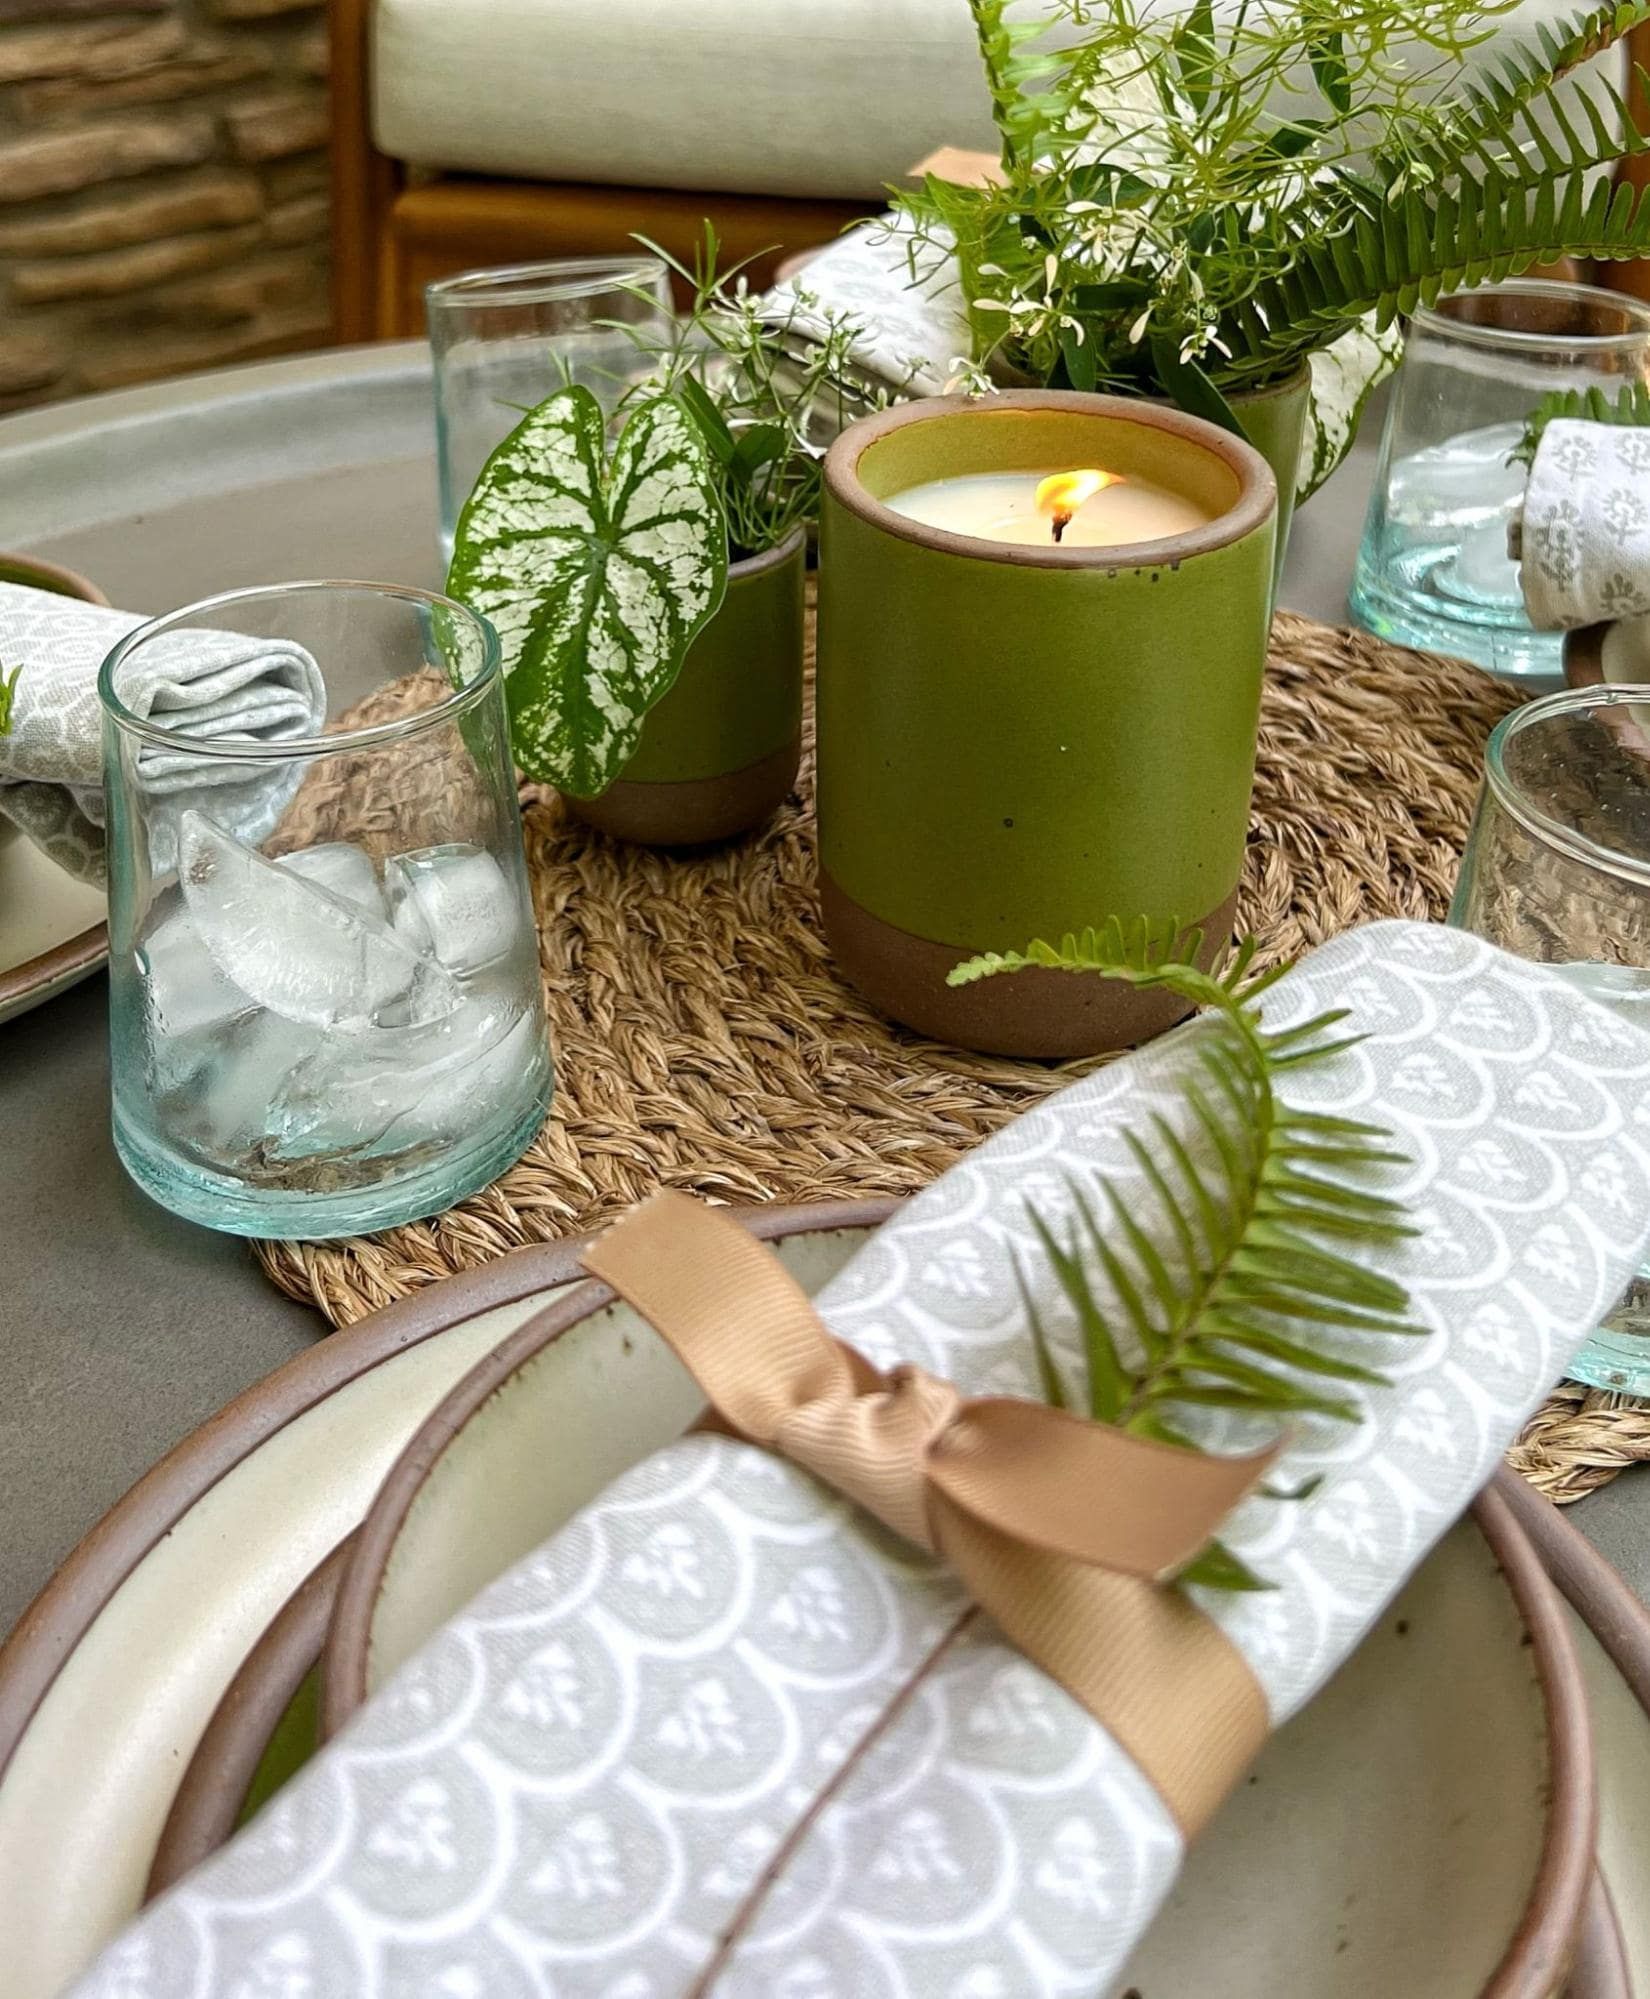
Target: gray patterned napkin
column 1585, row 529
column 209, row 685
column 718, row 1668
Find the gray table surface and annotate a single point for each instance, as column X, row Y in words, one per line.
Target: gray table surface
column 121, row 1329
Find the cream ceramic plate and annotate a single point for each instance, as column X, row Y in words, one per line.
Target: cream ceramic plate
column 1422, row 1829
column 112, row 1674
column 52, row 933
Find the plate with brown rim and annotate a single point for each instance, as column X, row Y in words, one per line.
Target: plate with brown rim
column 267, row 1725
column 103, row 1640
column 113, row 1673
column 1462, row 1872
column 52, row 928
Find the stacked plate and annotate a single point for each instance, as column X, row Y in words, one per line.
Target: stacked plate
column 52, row 931
column 1426, row 1827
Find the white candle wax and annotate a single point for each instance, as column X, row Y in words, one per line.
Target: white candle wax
column 1002, row 506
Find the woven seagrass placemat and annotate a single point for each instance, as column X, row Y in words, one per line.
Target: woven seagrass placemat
column 703, row 1040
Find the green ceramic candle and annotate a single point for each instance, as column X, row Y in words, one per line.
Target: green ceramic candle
column 718, row 753
column 1020, row 739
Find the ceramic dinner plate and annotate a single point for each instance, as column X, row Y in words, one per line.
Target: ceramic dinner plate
column 1420, row 1829
column 101, row 1706
column 52, row 931
column 268, row 1722
column 113, row 1673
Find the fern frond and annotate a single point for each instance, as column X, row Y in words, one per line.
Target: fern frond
column 1219, row 1279
column 1491, row 124
column 1629, row 407
column 1409, row 253
column 1028, row 116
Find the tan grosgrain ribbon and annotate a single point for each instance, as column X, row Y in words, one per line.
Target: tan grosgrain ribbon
column 1062, row 1530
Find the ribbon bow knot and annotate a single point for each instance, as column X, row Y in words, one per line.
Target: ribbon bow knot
column 875, row 1447
column 1061, row 1529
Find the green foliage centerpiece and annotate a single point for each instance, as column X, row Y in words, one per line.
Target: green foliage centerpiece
column 1199, row 203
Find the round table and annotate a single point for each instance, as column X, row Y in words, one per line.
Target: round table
column 124, row 1328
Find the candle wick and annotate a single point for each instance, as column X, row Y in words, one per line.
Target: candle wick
column 1061, row 523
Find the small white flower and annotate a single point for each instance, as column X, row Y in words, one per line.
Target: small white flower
column 1137, row 332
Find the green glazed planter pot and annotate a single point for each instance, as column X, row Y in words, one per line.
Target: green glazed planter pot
column 720, row 751
column 1015, row 742
column 1274, row 421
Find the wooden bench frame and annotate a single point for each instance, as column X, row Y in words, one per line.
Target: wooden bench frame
column 394, row 231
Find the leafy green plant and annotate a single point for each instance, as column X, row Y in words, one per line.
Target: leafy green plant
column 597, row 573
column 1195, row 202
column 1629, row 407
column 8, row 697
column 1220, row 1290
column 767, row 393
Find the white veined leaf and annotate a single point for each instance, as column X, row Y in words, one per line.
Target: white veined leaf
column 1344, row 376
column 596, row 575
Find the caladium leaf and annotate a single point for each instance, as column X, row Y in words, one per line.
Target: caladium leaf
column 596, row 575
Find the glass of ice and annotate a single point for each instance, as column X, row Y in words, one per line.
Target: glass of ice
column 323, row 976
column 1434, row 570
column 1557, row 870
column 505, row 339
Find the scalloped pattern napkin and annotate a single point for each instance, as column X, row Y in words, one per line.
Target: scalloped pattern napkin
column 575, row 1790
column 210, row 685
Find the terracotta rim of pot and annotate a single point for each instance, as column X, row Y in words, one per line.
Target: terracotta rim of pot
column 692, row 811
column 769, row 558
column 1257, row 486
column 1041, row 1014
column 66, row 582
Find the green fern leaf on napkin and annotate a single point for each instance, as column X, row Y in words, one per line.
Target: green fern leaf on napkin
column 1222, row 1286
column 8, row 697
column 597, row 576
column 1629, row 407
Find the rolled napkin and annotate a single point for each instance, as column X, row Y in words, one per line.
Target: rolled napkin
column 1584, row 538
column 900, row 295
column 208, row 685
column 723, row 1734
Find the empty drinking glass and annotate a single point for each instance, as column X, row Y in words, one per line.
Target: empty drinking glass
column 1434, row 570
column 323, row 976
column 1557, row 869
column 505, row 339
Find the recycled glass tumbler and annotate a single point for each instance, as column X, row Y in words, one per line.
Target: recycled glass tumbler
column 323, row 972
column 1433, row 570
column 505, row 339
column 1557, row 870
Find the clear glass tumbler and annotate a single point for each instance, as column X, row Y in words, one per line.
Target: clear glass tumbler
column 323, row 975
column 1557, row 869
column 505, row 339
column 1433, row 570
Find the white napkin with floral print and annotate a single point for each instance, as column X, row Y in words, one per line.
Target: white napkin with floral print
column 211, row 686
column 1585, row 535
column 578, row 1788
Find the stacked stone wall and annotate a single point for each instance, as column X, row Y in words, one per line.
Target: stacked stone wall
column 163, row 188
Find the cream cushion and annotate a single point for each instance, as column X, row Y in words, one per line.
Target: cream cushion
column 829, row 98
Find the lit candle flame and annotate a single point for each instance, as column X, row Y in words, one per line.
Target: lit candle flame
column 1062, row 493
